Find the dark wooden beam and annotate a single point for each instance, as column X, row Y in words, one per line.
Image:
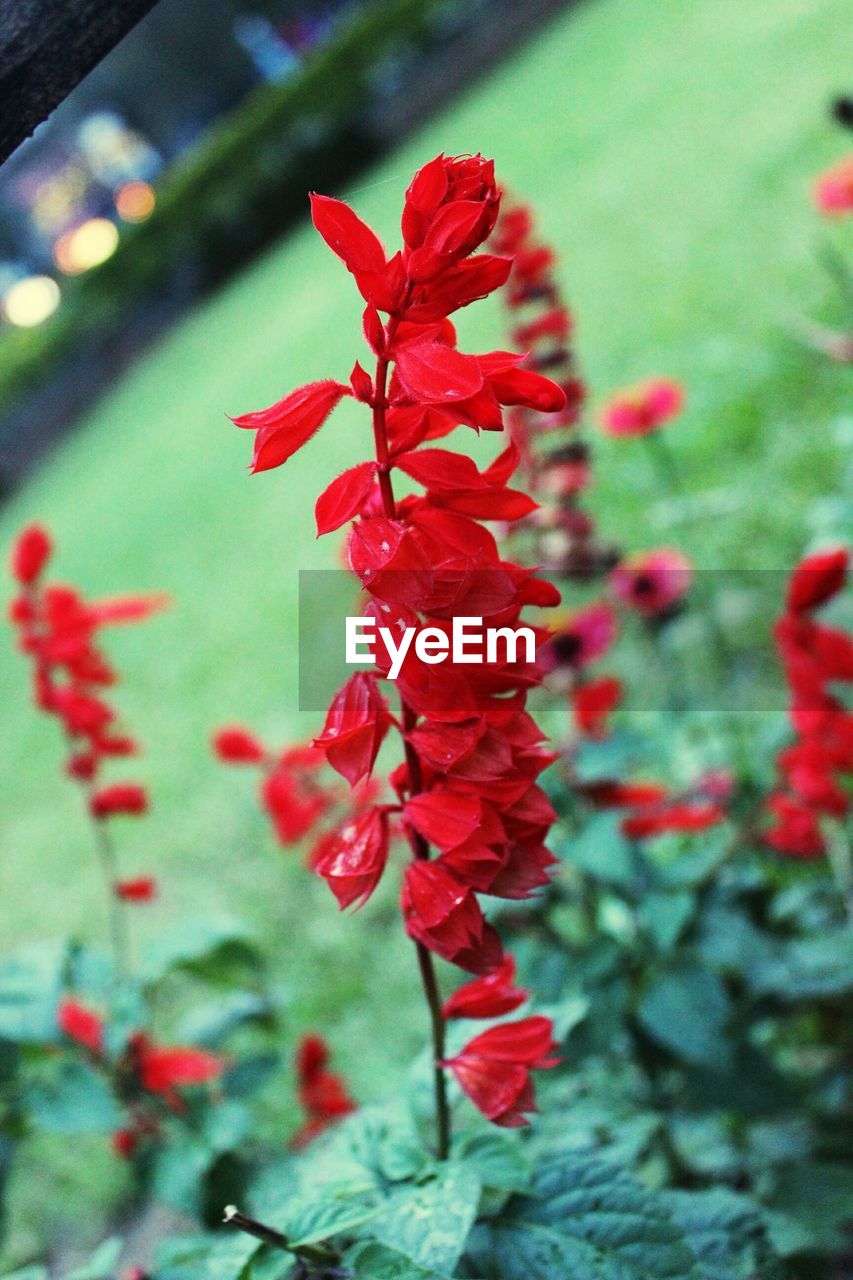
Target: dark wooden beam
column 46, row 48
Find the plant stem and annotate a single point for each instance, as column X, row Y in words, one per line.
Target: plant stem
column 117, row 918
column 420, row 848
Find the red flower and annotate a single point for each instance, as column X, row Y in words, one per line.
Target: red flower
column 121, row 797
column 355, row 727
column 30, row 554
column 652, row 581
column 163, row 1070
column 593, row 702
column 585, row 638
column 796, row 830
column 644, row 408
column 681, row 816
column 444, row 915
column 487, row 997
column 817, row 579
column 322, row 1093
column 139, row 889
column 236, row 745
column 833, row 190
column 125, row 1142
column 494, row 1068
column 287, row 425
column 80, row 1024
column 354, row 858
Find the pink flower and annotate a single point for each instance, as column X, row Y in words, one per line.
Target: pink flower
column 832, row 192
column 652, row 581
column 641, row 409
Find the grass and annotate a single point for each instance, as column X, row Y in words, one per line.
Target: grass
column 667, row 149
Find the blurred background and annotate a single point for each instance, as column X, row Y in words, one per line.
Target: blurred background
column 158, row 271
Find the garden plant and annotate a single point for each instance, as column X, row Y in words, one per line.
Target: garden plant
column 645, row 1069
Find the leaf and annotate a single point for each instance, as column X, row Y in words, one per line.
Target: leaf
column 178, row 1171
column 358, row 247
column 378, row 1262
column 430, row 1223
column 665, row 916
column 497, row 1159
column 224, row 1257
column 102, row 1263
column 344, row 497
column 31, row 982
column 28, row 1273
column 585, row 1220
column 686, row 1010
column 307, row 1220
column 726, row 1232
column 209, row 1022
column 433, row 373
column 194, row 945
column 602, row 851
column 76, row 1100
column 809, row 1208
column 808, row 969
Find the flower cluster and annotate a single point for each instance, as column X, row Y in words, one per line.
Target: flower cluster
column 323, row 1094
column 58, row 630
column 816, row 658
column 472, row 753
column 148, row 1078
column 291, row 792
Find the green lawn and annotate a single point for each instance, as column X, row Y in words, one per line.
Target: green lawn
column 667, row 148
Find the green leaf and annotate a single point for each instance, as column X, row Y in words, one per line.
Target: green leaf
column 727, row 1233
column 430, row 1223
column 368, row 1261
column 307, row 1220
column 194, row 945
column 602, row 851
column 808, row 969
column 102, row 1263
column 222, row 1257
column 497, row 1160
column 209, row 1022
column 585, row 1220
column 686, row 1010
column 28, row 1273
column 179, row 1168
column 809, row 1207
column 664, row 916
column 76, row 1099
column 30, row 987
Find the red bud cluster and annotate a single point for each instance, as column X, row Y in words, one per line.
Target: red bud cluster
column 816, row 768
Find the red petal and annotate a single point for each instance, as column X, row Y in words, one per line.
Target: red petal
column 524, row 387
column 443, row 818
column 817, row 579
column 344, row 497
column 440, row 470
column 288, row 424
column 435, row 374
column 346, row 235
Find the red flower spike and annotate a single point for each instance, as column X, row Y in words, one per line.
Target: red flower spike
column 344, row 497
column 124, row 1143
column 353, row 860
column 322, row 1093
column 679, row 817
column 236, row 745
column 488, row 997
column 494, row 1068
column 443, row 914
column 30, row 554
column 593, row 702
column 355, row 727
column 833, row 190
column 817, row 579
column 640, row 410
column 82, row 1025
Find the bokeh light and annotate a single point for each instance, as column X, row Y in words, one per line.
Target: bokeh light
column 30, row 301
column 86, row 246
column 135, row 201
